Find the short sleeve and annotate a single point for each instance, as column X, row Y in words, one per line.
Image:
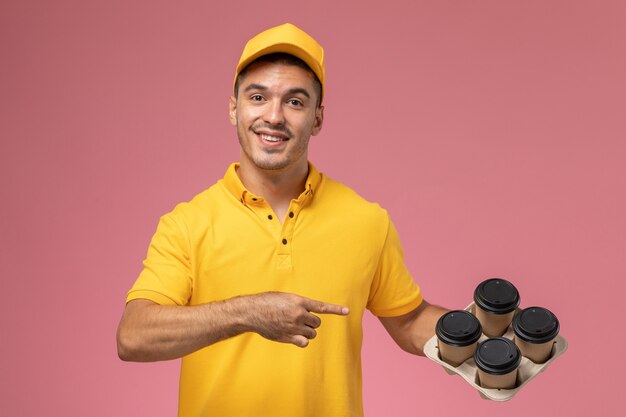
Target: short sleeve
column 166, row 277
column 393, row 291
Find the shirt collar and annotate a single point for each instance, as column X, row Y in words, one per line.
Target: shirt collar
column 233, row 184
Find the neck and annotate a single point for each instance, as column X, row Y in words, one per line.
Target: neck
column 277, row 187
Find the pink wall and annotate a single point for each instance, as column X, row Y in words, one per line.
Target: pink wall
column 493, row 131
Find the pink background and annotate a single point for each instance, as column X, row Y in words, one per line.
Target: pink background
column 493, row 132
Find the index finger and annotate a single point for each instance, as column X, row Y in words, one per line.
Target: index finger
column 315, row 306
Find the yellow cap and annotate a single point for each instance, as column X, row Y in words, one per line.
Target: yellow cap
column 288, row 39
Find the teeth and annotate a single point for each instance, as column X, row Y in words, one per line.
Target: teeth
column 271, row 138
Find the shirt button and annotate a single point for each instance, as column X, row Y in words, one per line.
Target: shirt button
column 284, row 241
column 291, row 214
column 270, row 216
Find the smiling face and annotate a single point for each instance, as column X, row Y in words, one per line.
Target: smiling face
column 275, row 113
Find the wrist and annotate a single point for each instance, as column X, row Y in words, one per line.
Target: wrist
column 241, row 310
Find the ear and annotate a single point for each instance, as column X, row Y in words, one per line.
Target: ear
column 232, row 111
column 319, row 120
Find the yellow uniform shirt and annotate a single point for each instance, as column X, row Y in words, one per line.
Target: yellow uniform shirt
column 333, row 246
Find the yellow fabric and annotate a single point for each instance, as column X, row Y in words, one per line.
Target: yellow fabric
column 340, row 249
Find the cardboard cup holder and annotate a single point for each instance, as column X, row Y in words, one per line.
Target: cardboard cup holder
column 468, row 371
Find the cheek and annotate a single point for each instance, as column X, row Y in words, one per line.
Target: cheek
column 241, row 120
column 312, row 124
column 247, row 116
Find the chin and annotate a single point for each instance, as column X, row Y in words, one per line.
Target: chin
column 271, row 165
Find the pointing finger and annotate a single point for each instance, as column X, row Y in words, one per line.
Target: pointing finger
column 326, row 308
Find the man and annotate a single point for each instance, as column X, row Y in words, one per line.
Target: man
column 273, row 255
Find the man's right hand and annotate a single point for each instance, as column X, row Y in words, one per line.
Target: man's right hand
column 288, row 318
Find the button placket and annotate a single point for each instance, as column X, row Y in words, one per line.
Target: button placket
column 286, row 236
column 283, row 254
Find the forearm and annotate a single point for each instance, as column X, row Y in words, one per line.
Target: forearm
column 413, row 330
column 423, row 327
column 151, row 332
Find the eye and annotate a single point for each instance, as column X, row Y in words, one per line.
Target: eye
column 256, row 97
column 295, row 102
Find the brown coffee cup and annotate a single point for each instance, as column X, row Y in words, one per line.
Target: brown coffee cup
column 535, row 329
column 495, row 302
column 497, row 360
column 457, row 333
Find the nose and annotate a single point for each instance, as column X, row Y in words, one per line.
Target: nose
column 274, row 113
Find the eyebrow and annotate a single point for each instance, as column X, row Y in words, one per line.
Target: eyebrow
column 299, row 90
column 291, row 91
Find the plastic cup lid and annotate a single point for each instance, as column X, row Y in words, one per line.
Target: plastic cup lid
column 497, row 296
column 497, row 356
column 536, row 325
column 458, row 328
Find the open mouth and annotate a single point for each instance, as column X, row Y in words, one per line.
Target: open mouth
column 273, row 139
column 270, row 138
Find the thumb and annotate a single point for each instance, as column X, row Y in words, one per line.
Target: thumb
column 300, row 341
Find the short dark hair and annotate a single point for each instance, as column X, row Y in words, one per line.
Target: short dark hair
column 286, row 59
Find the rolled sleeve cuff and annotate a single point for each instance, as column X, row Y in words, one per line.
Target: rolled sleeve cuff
column 398, row 311
column 150, row 295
